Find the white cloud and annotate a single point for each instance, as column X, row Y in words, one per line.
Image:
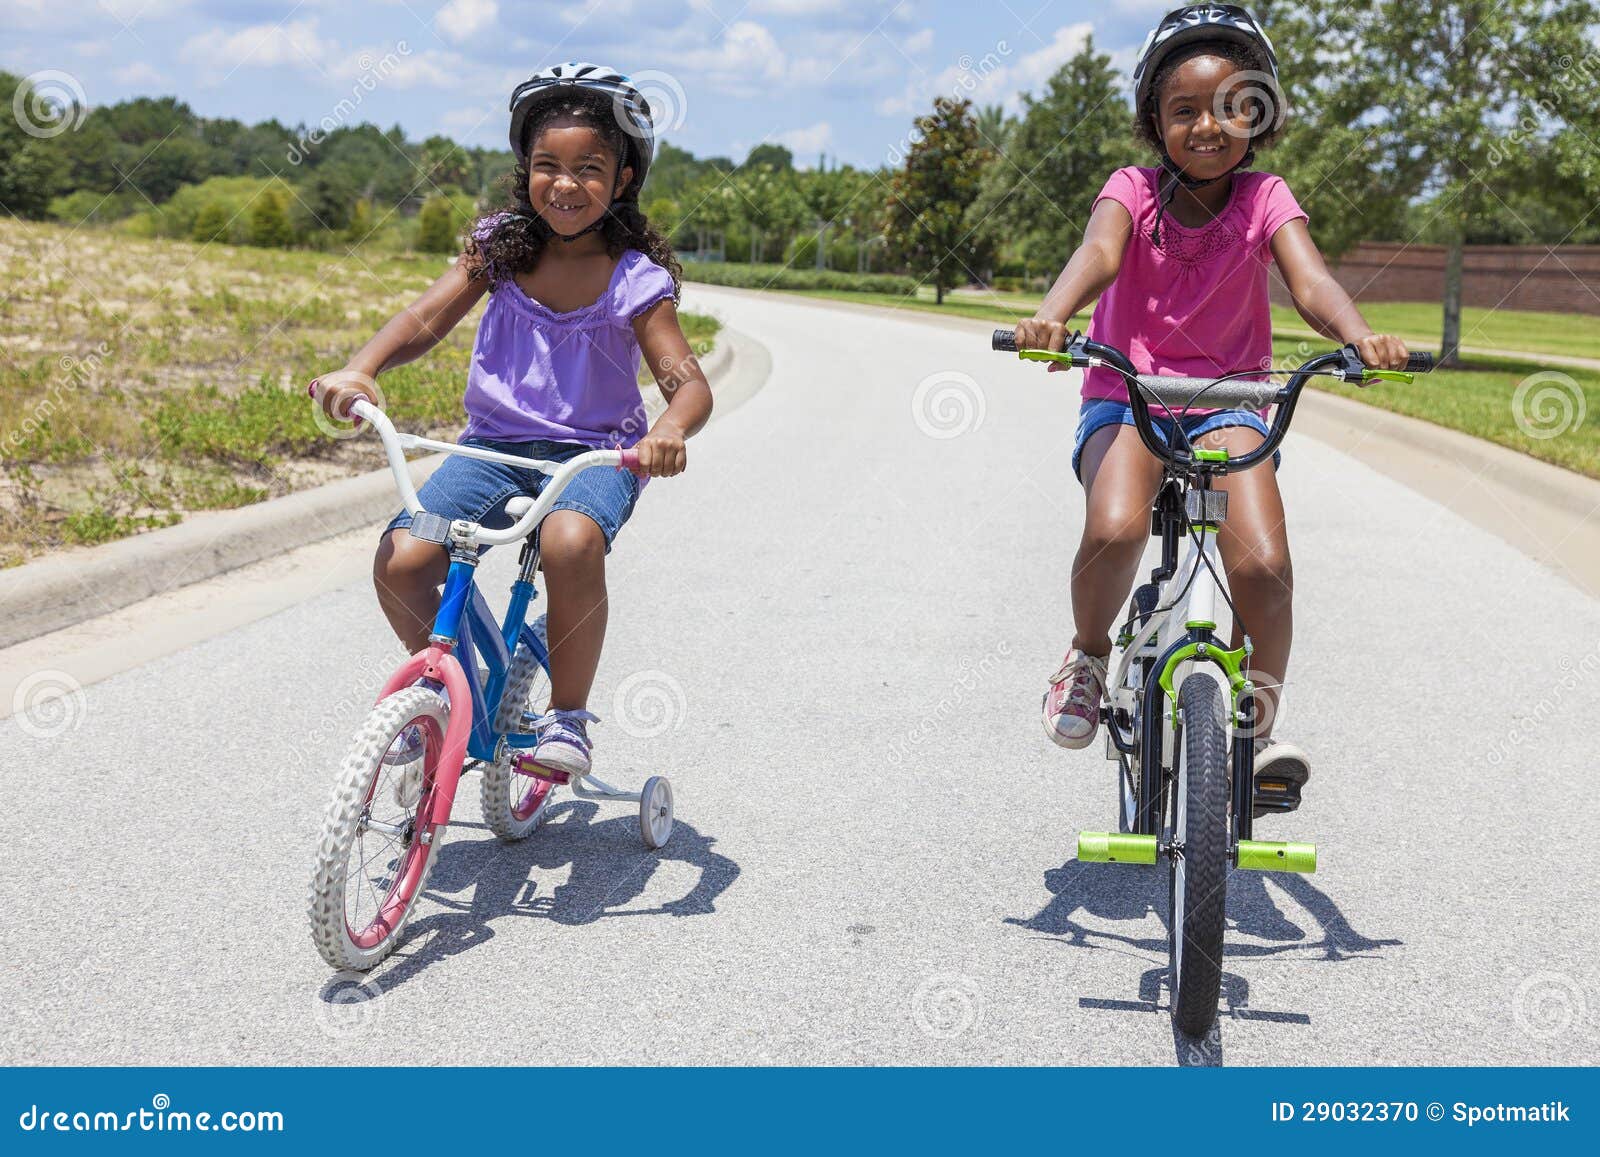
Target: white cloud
column 999, row 76
column 401, row 66
column 922, row 40
column 746, row 55
column 808, row 142
column 295, row 44
column 460, row 19
column 138, row 74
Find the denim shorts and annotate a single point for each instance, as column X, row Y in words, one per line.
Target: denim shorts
column 1098, row 413
column 478, row 491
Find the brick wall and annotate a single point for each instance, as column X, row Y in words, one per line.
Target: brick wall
column 1553, row 279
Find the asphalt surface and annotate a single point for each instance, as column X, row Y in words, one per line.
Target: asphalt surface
column 832, row 634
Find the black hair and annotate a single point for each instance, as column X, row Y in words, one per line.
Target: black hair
column 511, row 238
column 1244, row 58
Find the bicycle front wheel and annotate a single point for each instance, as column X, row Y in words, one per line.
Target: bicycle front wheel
column 1197, row 911
column 376, row 850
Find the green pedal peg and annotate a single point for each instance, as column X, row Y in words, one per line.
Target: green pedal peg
column 1116, row 848
column 1267, row 856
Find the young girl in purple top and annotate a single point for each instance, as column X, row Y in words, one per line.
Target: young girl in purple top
column 1177, row 256
column 578, row 284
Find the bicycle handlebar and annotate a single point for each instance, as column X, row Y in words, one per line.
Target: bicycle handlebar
column 395, row 444
column 1177, row 394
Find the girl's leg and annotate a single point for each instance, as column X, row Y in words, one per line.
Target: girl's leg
column 572, row 551
column 1255, row 554
column 408, row 574
column 1120, row 480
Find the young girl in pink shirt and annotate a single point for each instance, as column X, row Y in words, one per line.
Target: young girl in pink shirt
column 1177, row 256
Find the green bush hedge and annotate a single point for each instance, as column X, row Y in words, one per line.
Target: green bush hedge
column 765, row 276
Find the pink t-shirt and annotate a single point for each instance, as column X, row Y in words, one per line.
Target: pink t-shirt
column 1198, row 306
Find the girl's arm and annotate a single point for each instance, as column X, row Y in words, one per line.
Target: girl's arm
column 1093, row 267
column 408, row 335
column 1324, row 304
column 677, row 371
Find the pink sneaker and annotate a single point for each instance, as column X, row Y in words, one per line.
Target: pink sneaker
column 1072, row 705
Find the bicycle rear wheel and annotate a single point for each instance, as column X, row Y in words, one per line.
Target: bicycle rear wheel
column 1198, row 865
column 514, row 805
column 375, row 851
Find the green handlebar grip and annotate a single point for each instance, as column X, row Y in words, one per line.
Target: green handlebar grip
column 1388, row 375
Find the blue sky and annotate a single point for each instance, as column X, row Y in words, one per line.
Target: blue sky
column 844, row 76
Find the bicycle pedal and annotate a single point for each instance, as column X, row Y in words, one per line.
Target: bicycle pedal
column 524, row 765
column 1275, row 794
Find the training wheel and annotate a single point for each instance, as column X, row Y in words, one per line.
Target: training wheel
column 655, row 812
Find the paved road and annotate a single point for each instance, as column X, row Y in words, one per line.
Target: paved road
column 840, row 626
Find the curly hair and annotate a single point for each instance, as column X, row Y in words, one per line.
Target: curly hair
column 511, row 238
column 1244, row 58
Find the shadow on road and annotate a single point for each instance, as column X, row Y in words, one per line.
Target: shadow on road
column 1084, row 897
column 481, row 881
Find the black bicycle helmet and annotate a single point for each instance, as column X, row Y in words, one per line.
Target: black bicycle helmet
column 1188, row 25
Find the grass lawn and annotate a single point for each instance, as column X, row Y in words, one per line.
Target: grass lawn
column 144, row 379
column 1479, row 400
column 1419, row 323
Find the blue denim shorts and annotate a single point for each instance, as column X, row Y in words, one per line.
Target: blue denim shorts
column 478, row 491
column 1098, row 413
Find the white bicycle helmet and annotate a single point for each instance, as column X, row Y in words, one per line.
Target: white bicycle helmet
column 631, row 109
column 1187, row 25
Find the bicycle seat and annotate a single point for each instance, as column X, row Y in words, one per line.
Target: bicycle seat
column 519, row 506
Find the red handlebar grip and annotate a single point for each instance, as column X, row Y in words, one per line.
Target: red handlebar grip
column 630, row 460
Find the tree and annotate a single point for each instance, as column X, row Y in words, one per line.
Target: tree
column 766, row 202
column 929, row 228
column 446, row 163
column 211, row 224
column 269, row 222
column 1058, row 154
column 32, row 170
column 826, row 195
column 436, row 228
column 1441, row 98
column 773, row 156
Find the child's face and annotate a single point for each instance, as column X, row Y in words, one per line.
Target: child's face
column 572, row 176
column 1203, row 116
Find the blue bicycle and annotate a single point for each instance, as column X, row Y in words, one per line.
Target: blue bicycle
column 472, row 700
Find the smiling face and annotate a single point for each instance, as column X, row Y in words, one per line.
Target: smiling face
column 1204, row 117
column 573, row 175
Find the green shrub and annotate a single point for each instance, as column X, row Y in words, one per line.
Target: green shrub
column 211, row 224
column 436, row 227
column 778, row 277
column 269, row 222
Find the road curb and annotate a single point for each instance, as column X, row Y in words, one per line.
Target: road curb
column 39, row 597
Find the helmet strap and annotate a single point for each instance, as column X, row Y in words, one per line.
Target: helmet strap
column 1178, row 177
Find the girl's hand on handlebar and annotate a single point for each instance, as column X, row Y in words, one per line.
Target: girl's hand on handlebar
column 337, row 392
column 1034, row 334
column 661, row 454
column 1381, row 351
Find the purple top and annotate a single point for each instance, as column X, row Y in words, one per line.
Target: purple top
column 565, row 377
